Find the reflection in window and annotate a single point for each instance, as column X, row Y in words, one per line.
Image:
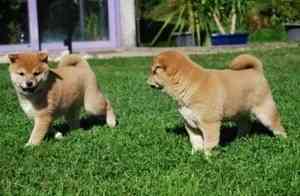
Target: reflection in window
column 87, row 20
column 93, row 21
column 14, row 22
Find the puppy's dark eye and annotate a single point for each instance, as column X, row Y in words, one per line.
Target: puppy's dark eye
column 154, row 71
column 36, row 73
column 156, row 68
column 21, row 73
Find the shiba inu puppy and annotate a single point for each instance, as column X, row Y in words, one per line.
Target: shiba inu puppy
column 45, row 94
column 206, row 96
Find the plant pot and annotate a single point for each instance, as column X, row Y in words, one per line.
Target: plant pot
column 184, row 39
column 229, row 39
column 293, row 31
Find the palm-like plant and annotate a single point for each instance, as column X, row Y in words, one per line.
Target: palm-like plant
column 184, row 15
column 196, row 16
column 225, row 13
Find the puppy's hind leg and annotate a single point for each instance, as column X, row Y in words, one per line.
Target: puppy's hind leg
column 244, row 125
column 72, row 118
column 96, row 104
column 268, row 115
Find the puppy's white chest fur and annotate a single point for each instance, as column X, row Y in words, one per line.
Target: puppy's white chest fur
column 189, row 116
column 27, row 107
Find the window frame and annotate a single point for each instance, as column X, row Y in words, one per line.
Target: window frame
column 78, row 46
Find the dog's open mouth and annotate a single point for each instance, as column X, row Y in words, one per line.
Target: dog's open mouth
column 155, row 86
column 29, row 89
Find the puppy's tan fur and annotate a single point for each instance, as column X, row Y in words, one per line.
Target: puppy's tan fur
column 206, row 96
column 45, row 94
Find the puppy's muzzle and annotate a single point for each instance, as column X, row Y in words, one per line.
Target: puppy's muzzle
column 153, row 84
column 29, row 86
column 149, row 82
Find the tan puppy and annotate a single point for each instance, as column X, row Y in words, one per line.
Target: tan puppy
column 205, row 96
column 45, row 94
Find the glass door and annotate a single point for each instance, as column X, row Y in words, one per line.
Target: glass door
column 86, row 20
column 55, row 17
column 46, row 24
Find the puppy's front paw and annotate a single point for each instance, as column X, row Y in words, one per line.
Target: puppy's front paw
column 207, row 153
column 32, row 142
column 29, row 144
column 281, row 134
column 193, row 152
column 111, row 120
column 196, row 151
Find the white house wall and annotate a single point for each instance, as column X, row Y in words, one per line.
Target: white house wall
column 127, row 23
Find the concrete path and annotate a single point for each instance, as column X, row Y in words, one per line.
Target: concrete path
column 143, row 51
column 135, row 52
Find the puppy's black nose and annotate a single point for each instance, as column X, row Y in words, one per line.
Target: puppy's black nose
column 29, row 83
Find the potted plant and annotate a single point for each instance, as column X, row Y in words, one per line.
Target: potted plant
column 189, row 27
column 226, row 15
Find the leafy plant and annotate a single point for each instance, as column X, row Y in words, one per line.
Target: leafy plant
column 184, row 15
column 226, row 14
column 198, row 16
column 287, row 10
column 282, row 11
column 259, row 15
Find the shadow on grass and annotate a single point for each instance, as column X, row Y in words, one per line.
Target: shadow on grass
column 86, row 123
column 228, row 133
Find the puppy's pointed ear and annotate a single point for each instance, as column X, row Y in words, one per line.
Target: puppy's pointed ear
column 13, row 57
column 43, row 56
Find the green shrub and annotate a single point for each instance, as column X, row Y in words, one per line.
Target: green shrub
column 268, row 35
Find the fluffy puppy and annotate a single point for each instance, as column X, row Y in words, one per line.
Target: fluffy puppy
column 45, row 94
column 205, row 97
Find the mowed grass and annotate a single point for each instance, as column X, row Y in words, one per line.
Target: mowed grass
column 148, row 152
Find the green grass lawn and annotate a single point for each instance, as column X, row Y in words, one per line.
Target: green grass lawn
column 148, row 153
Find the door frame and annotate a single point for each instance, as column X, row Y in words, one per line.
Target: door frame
column 78, row 46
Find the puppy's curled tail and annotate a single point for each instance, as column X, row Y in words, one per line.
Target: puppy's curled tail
column 73, row 60
column 246, row 61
